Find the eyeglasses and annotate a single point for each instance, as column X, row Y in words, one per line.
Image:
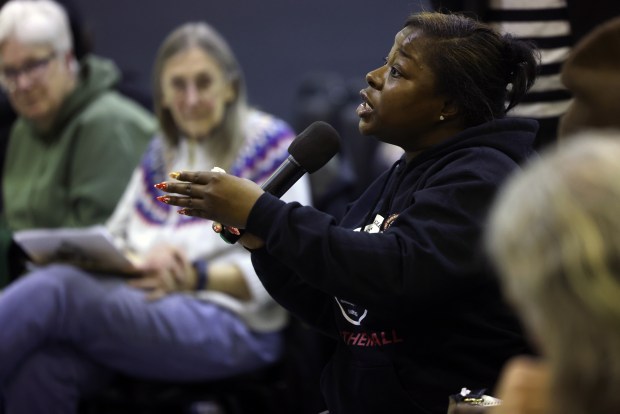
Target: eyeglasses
column 33, row 70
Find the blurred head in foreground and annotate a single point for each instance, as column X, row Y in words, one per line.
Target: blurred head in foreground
column 554, row 234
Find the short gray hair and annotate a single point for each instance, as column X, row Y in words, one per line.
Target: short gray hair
column 36, row 22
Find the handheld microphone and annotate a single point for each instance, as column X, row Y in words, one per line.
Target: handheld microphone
column 308, row 152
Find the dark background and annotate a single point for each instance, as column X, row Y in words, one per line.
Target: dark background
column 278, row 42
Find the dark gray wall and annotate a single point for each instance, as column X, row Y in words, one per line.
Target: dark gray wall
column 276, row 41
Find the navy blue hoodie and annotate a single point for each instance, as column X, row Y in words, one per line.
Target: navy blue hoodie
column 415, row 308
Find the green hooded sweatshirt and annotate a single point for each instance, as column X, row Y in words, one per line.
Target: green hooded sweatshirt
column 73, row 174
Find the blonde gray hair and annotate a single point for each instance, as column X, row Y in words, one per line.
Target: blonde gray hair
column 554, row 235
column 36, row 22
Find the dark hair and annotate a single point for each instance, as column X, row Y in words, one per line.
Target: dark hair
column 484, row 72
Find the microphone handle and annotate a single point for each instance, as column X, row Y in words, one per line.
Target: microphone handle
column 282, row 179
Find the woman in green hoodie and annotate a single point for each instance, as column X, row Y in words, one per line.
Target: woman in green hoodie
column 72, row 129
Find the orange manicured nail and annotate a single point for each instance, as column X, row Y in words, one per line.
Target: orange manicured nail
column 163, row 199
column 233, row 230
column 174, row 174
column 161, row 186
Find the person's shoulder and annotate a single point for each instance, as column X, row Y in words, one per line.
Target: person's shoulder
column 98, row 91
column 266, row 133
column 509, row 139
column 99, row 75
column 484, row 161
column 99, row 65
column 263, row 123
column 112, row 108
column 113, row 101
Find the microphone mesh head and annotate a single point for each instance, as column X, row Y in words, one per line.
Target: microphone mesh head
column 315, row 145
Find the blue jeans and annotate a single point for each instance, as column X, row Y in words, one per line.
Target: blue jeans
column 64, row 331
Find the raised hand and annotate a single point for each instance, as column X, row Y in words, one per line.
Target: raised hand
column 215, row 196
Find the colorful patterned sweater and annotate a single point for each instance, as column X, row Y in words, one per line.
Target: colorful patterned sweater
column 140, row 222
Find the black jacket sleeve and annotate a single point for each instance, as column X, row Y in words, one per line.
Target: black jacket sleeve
column 305, row 302
column 426, row 253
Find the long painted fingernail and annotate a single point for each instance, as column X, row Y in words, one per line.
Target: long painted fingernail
column 161, row 186
column 163, row 199
column 174, row 174
column 183, row 212
column 233, row 230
